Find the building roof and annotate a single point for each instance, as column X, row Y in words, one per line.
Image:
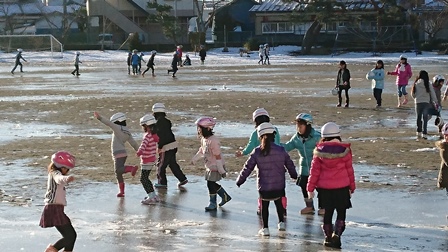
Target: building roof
column 34, row 9
column 280, row 6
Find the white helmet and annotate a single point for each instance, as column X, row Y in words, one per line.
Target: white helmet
column 147, row 120
column 266, row 45
column 445, row 129
column 259, row 112
column 265, row 128
column 153, row 52
column 78, row 53
column 118, row 117
column 403, row 56
column 330, row 129
column 19, row 49
column 206, row 122
column 261, row 46
column 437, row 78
column 158, row 107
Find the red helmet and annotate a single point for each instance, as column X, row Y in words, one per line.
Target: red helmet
column 63, row 159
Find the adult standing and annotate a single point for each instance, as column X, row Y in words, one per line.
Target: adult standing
column 18, row 63
column 343, row 83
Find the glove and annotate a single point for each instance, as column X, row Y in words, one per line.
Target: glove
column 310, row 195
column 220, row 166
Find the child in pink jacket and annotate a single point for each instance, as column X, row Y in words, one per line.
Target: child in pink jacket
column 403, row 72
column 333, row 176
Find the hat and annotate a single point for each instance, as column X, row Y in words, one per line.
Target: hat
column 265, row 128
column 403, row 56
column 206, row 122
column 158, row 107
column 330, row 129
column 259, row 112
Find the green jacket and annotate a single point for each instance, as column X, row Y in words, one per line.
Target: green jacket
column 254, row 141
column 305, row 147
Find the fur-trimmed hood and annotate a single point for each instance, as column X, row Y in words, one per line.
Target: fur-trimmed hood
column 332, row 150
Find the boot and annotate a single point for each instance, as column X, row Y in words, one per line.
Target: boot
column 51, row 248
column 131, row 168
column 224, row 196
column 328, row 230
column 405, row 101
column 121, row 188
column 259, row 207
column 212, row 205
column 285, row 204
column 339, row 228
column 309, row 209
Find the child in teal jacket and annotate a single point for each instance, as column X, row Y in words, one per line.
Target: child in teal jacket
column 376, row 75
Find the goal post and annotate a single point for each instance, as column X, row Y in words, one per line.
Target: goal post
column 37, row 43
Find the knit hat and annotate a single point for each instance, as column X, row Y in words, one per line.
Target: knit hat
column 265, row 128
column 330, row 129
column 158, row 107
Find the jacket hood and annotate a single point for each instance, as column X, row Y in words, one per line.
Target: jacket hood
column 332, row 150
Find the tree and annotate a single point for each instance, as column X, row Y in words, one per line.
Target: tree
column 163, row 17
column 434, row 21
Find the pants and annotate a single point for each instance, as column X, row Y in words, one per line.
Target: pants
column 328, row 216
column 139, row 67
column 135, row 69
column 17, row 64
column 129, row 69
column 266, row 58
column 261, row 60
column 168, row 158
column 303, row 181
column 213, row 187
column 76, row 70
column 174, row 70
column 265, row 211
column 67, row 242
column 401, row 90
column 146, row 182
column 152, row 69
column 119, row 168
column 377, row 94
column 421, row 110
column 340, row 95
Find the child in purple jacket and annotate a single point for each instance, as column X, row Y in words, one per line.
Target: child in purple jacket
column 271, row 160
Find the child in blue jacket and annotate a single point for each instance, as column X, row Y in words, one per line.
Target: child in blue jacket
column 376, row 75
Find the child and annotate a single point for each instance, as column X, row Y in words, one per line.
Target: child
column 187, row 61
column 134, row 61
column 76, row 61
column 167, row 149
column 343, row 83
column 202, row 54
column 271, row 160
column 18, row 63
column 140, row 59
column 437, row 82
column 150, row 64
column 442, row 180
column 129, row 60
column 179, row 55
column 174, row 63
column 377, row 77
column 423, row 92
column 148, row 153
column 304, row 142
column 260, row 54
column 259, row 116
column 55, row 200
column 210, row 150
column 120, row 136
column 266, row 54
column 403, row 71
column 333, row 176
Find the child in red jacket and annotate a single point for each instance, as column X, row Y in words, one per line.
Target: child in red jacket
column 333, row 176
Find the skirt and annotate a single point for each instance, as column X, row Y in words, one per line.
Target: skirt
column 334, row 198
column 53, row 215
column 271, row 195
column 212, row 176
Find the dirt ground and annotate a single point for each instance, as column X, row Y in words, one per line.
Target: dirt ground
column 382, row 137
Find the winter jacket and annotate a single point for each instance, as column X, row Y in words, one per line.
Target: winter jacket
column 179, row 53
column 151, row 61
column 18, row 57
column 210, row 148
column 167, row 141
column 129, row 59
column 254, row 141
column 332, row 167
column 77, row 61
column 343, row 77
column 56, row 188
column 438, row 92
column 403, row 73
column 148, row 148
column 271, row 169
column 420, row 95
column 135, row 59
column 377, row 77
column 202, row 54
column 305, row 147
column 175, row 61
column 442, row 180
column 120, row 136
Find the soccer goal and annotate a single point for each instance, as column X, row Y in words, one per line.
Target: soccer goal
column 41, row 42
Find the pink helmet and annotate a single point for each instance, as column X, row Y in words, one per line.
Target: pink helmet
column 63, row 159
column 445, row 129
column 206, row 122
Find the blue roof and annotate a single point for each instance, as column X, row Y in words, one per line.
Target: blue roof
column 280, row 6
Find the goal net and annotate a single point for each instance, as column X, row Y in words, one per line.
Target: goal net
column 37, row 43
column 376, row 40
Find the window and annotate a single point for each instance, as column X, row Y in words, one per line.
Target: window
column 280, row 27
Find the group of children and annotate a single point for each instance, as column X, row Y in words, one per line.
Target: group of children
column 263, row 53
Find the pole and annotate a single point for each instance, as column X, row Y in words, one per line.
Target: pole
column 104, row 31
column 225, row 49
